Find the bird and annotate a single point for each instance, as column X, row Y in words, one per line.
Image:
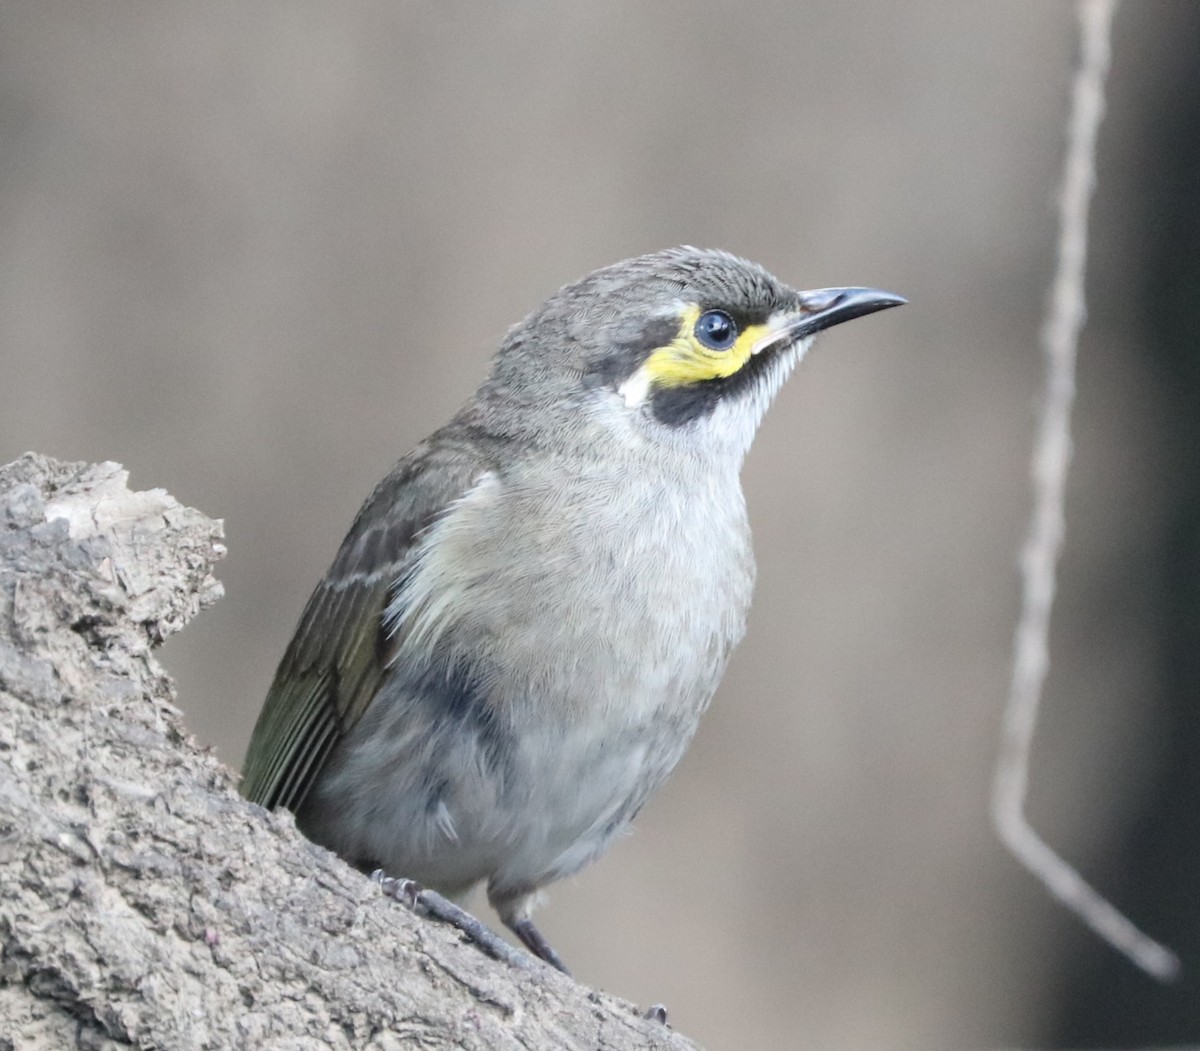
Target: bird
column 517, row 637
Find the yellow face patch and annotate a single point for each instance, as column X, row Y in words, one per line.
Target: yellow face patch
column 685, row 360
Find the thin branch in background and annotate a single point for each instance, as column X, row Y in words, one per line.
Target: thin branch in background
column 1039, row 559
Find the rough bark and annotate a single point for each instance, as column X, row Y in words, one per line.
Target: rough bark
column 143, row 902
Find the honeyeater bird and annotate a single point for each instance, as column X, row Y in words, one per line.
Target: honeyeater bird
column 518, row 635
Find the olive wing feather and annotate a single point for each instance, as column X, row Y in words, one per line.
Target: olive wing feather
column 337, row 658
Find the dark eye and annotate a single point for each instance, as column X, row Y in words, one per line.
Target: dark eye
column 716, row 330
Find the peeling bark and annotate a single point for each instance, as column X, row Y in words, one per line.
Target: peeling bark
column 143, row 902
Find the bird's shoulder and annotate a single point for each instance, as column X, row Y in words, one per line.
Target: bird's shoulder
column 337, row 658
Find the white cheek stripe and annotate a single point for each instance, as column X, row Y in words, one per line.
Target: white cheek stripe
column 636, row 389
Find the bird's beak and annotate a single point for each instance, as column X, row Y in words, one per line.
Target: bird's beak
column 825, row 307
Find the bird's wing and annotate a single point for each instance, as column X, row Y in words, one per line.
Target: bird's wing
column 336, row 661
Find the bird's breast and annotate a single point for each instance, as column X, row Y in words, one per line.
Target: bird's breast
column 585, row 597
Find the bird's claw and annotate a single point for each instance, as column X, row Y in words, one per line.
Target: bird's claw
column 406, row 891
column 656, row 1013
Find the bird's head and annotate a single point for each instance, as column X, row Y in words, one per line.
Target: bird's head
column 677, row 343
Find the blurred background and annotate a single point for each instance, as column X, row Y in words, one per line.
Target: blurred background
column 254, row 253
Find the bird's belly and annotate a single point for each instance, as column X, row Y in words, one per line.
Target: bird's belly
column 452, row 799
column 576, row 788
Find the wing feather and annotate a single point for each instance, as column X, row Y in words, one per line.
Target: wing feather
column 336, row 660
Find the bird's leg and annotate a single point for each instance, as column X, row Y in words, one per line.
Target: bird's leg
column 420, row 899
column 514, row 908
column 536, row 943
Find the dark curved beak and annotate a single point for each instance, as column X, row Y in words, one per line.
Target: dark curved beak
column 825, row 307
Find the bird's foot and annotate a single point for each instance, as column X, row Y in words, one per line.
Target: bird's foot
column 422, row 900
column 536, row 943
column 405, row 891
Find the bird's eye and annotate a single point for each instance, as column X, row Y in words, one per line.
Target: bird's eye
column 716, row 330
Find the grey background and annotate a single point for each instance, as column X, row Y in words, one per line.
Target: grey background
column 256, row 252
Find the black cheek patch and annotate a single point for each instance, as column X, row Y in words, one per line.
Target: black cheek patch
column 675, row 406
column 624, row 357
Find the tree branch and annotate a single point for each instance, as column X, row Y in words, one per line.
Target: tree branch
column 142, row 901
